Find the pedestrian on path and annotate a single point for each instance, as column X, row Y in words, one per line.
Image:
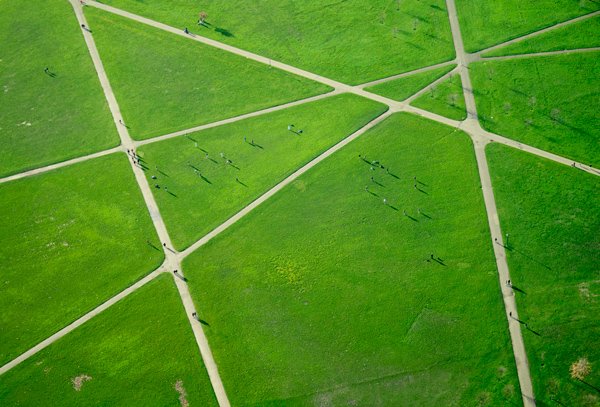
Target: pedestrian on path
column 194, row 315
column 185, row 30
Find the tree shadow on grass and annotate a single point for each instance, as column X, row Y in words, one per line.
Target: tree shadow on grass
column 224, row 32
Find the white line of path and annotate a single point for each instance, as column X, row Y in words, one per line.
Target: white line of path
column 77, row 323
column 51, row 167
column 430, row 86
column 541, row 54
column 281, row 185
column 405, row 74
column 237, row 118
column 534, row 34
column 472, row 122
column 171, row 262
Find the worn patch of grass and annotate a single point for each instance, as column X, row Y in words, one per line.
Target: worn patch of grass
column 402, row 88
column 352, row 41
column 203, row 190
column 582, row 34
column 164, row 82
column 46, row 119
column 487, row 23
column 70, row 239
column 552, row 215
column 132, row 354
column 324, row 294
column 547, row 102
column 445, row 99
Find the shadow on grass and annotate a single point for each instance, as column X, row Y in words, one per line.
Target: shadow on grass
column 224, row 32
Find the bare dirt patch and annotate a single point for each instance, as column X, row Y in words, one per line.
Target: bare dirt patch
column 79, row 380
column 178, row 386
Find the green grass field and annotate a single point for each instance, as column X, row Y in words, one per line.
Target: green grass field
column 552, row 215
column 350, row 41
column 403, row 88
column 134, row 354
column 326, row 295
column 582, row 34
column 164, row 82
column 445, row 99
column 487, row 23
column 45, row 119
column 547, row 102
column 70, row 239
column 202, row 192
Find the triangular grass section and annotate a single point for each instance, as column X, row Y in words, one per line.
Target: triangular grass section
column 354, row 41
column 446, row 99
column 48, row 117
column 326, row 292
column 487, row 23
column 581, row 34
column 551, row 213
column 206, row 177
column 549, row 102
column 403, row 88
column 139, row 352
column 70, row 239
column 164, row 82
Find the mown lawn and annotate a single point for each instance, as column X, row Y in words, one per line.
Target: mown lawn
column 487, row 23
column 403, row 88
column 582, row 34
column 446, row 99
column 352, row 41
column 70, row 239
column 548, row 102
column 324, row 294
column 164, row 82
column 552, row 215
column 48, row 117
column 198, row 189
column 135, row 354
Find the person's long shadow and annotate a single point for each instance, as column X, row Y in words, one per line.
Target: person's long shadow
column 393, row 175
column 411, row 218
column 241, row 183
column 518, row 289
column 203, row 322
column 424, row 214
column 253, row 144
column 589, row 385
column 171, row 193
column 378, row 183
column 163, row 173
column 373, row 193
column 422, row 191
column 204, row 178
column 393, row 207
column 513, row 249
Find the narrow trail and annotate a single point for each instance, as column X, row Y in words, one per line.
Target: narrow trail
column 534, row 34
column 173, row 259
column 80, row 321
column 405, row 74
column 540, row 54
column 281, row 185
column 51, row 167
column 474, row 129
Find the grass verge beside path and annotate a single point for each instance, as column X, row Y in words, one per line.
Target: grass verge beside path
column 552, row 215
column 324, row 294
column 49, row 117
column 403, row 88
column 352, row 41
column 135, row 354
column 198, row 189
column 548, row 102
column 446, row 99
column 70, row 239
column 164, row 82
column 487, row 23
column 582, row 34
